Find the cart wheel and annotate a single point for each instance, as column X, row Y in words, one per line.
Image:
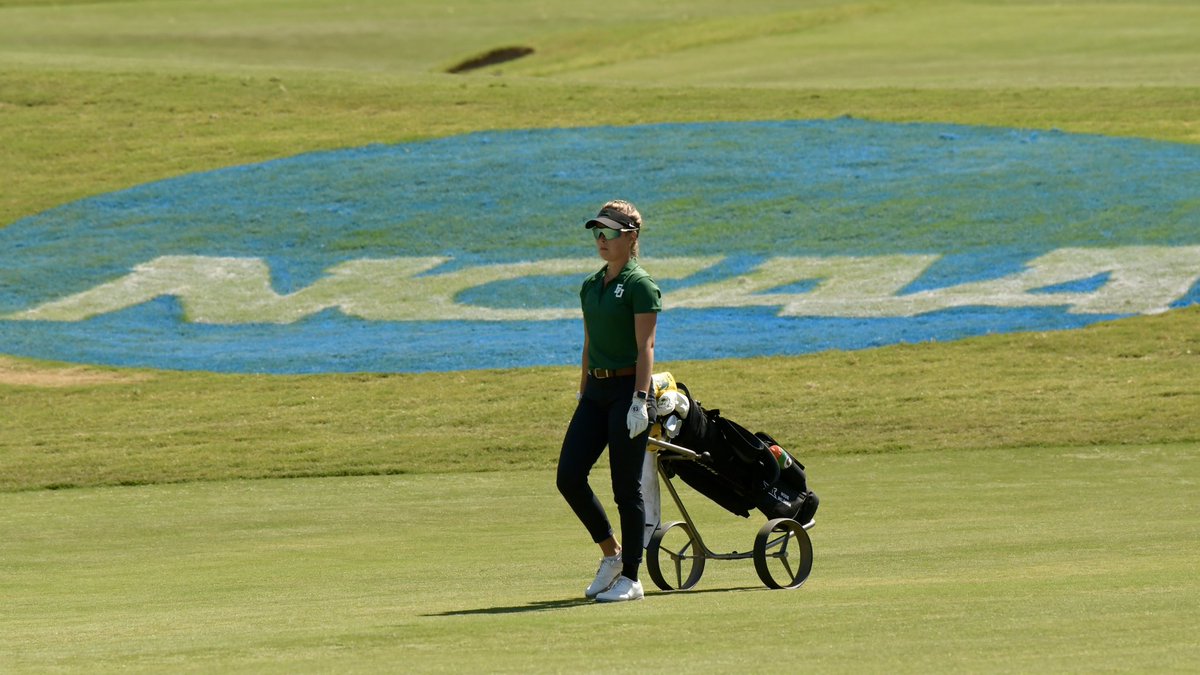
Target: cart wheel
column 783, row 554
column 672, row 550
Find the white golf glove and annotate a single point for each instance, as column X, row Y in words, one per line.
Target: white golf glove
column 638, row 418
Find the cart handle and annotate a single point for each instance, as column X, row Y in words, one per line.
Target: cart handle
column 690, row 454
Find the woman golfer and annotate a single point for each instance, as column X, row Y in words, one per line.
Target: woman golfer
column 620, row 306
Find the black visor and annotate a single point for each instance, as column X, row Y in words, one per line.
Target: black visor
column 612, row 220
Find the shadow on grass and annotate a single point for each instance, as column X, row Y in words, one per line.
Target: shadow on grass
column 549, row 605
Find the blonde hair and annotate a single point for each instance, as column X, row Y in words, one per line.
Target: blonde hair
column 627, row 209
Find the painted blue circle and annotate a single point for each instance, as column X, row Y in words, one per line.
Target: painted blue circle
column 984, row 202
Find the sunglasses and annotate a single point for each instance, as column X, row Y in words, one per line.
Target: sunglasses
column 605, row 232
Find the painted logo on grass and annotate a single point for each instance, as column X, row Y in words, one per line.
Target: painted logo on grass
column 468, row 252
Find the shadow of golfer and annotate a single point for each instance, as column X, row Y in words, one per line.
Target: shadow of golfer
column 550, row 605
column 538, row 606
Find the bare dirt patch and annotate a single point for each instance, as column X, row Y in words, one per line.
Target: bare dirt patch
column 19, row 373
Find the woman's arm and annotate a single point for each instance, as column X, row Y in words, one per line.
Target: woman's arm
column 644, row 326
column 584, row 361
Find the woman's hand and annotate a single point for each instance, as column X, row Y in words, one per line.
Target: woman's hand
column 638, row 417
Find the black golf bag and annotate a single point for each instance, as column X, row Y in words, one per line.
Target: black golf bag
column 740, row 470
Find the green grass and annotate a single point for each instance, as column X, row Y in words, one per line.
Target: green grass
column 1008, row 503
column 1067, row 559
column 928, row 44
column 1125, row 382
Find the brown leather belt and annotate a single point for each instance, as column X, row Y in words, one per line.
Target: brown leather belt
column 604, row 373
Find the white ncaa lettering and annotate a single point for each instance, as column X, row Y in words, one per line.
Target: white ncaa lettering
column 219, row 290
column 619, row 290
column 222, row 290
column 848, row 286
column 1142, row 280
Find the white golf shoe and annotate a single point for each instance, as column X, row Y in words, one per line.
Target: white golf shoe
column 624, row 589
column 610, row 570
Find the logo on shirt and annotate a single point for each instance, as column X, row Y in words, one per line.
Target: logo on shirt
column 804, row 236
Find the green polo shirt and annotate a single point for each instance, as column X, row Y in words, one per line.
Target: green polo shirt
column 608, row 311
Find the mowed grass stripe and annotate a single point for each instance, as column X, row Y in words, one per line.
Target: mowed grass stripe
column 931, row 44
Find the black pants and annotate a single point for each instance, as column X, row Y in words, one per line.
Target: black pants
column 599, row 420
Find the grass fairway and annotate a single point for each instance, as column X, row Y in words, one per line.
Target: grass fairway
column 1020, row 503
column 1064, row 559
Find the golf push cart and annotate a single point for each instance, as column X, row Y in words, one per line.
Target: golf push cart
column 740, row 471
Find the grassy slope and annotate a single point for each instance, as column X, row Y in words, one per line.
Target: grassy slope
column 1127, row 382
